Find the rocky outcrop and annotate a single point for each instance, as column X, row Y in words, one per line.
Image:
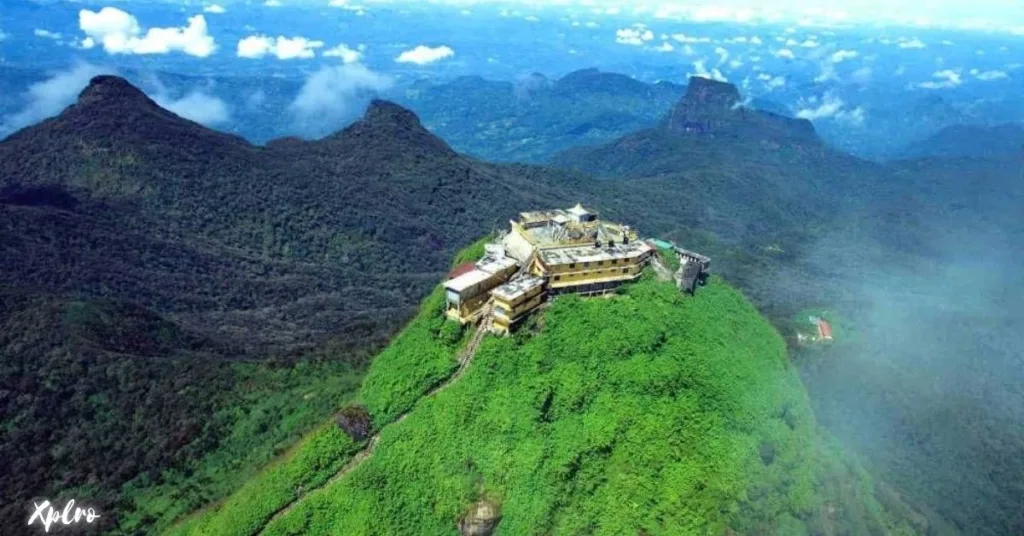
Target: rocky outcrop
column 482, row 519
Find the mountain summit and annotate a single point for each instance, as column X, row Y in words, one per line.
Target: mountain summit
column 706, row 104
column 386, row 124
column 714, row 107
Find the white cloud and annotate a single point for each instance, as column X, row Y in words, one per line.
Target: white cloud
column 3, row 35
column 348, row 6
column 120, row 33
column 423, row 55
column 48, row 97
column 273, row 3
column 216, row 9
column 665, row 46
column 842, row 55
column 988, row 76
column 700, row 70
column 683, row 38
column 284, row 48
column 945, row 78
column 862, row 76
column 332, row 95
column 785, row 53
column 723, row 55
column 636, row 36
column 911, row 43
column 346, row 54
column 46, row 34
column 197, row 106
column 829, row 106
column 828, row 72
column 807, row 43
column 772, row 82
column 756, row 40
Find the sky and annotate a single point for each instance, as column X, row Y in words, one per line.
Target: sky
column 838, row 67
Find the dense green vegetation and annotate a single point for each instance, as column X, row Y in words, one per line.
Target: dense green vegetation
column 419, row 358
column 221, row 281
column 169, row 291
column 171, row 424
column 645, row 412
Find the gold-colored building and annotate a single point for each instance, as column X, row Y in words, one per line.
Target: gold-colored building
column 514, row 300
column 587, row 269
column 466, row 294
column 575, row 251
column 559, row 251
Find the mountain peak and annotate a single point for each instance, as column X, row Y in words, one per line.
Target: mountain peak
column 107, row 88
column 707, row 92
column 706, row 105
column 385, row 123
column 710, row 106
column 386, row 113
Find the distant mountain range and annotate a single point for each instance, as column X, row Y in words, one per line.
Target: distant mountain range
column 968, row 141
column 530, row 119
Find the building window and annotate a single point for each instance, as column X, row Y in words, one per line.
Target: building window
column 615, row 261
column 624, row 270
column 586, row 264
column 558, row 278
column 600, row 263
column 572, row 265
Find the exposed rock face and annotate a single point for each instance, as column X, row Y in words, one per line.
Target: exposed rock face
column 713, row 107
column 706, row 106
column 355, row 421
column 481, row 520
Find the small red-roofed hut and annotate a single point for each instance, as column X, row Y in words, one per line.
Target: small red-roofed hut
column 824, row 330
column 461, row 269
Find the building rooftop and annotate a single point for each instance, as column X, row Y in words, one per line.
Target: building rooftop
column 467, row 280
column 542, row 215
column 578, row 254
column 493, row 265
column 515, row 289
column 578, row 210
column 483, row 270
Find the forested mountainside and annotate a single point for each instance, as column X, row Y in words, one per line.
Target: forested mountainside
column 159, row 272
column 151, row 265
column 902, row 251
column 968, row 141
column 133, row 229
column 531, row 119
column 647, row 412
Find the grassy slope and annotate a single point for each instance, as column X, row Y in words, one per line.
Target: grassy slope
column 420, row 357
column 644, row 412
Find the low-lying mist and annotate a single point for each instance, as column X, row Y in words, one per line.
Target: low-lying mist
column 926, row 377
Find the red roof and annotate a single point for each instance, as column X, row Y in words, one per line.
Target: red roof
column 824, row 330
column 461, row 269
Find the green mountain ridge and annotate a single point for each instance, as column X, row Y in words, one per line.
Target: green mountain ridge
column 645, row 413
